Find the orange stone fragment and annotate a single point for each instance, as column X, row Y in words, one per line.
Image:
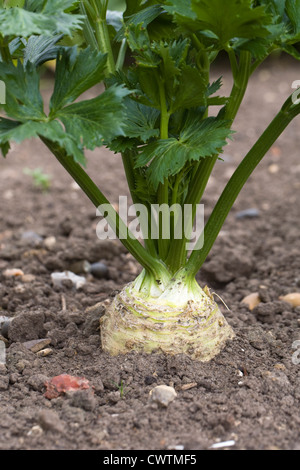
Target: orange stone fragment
column 293, row 298
column 252, row 300
column 64, row 383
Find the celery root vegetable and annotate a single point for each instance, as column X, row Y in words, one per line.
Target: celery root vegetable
column 154, row 61
column 181, row 319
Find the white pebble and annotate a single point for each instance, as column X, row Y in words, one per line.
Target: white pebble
column 49, row 242
column 13, row 272
column 57, row 278
column 219, row 445
column 163, row 395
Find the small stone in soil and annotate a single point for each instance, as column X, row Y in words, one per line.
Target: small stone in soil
column 44, row 352
column 293, row 299
column 163, row 395
column 63, row 383
column 247, row 213
column 32, row 238
column 37, row 344
column 80, row 267
column 50, row 242
column 13, row 272
column 189, row 386
column 252, row 300
column 99, row 270
column 273, row 168
column 35, row 431
column 58, row 278
column 27, row 278
column 4, row 324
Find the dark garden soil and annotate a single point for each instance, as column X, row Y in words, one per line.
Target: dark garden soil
column 249, row 394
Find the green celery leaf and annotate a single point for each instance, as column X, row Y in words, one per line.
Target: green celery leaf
column 61, row 12
column 140, row 125
column 276, row 7
column 50, row 6
column 285, row 30
column 143, row 189
column 293, row 12
column 173, row 55
column 134, row 6
column 198, row 139
column 17, row 132
column 146, row 15
column 191, row 89
column 4, row 147
column 183, row 15
column 231, row 19
column 258, row 47
column 16, row 47
column 76, row 73
column 143, row 17
column 139, row 42
column 140, row 121
column 121, row 144
column 149, row 88
column 19, row 22
column 180, row 7
column 291, row 50
column 215, row 100
column 214, row 87
column 39, row 17
column 92, row 122
column 6, row 126
column 39, row 49
column 23, row 98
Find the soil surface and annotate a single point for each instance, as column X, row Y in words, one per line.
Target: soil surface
column 249, row 394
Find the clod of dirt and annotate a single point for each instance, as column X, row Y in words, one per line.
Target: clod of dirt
column 50, row 421
column 84, row 399
column 26, row 326
column 234, row 263
column 4, row 383
column 37, row 382
column 93, row 315
column 266, row 312
column 163, row 395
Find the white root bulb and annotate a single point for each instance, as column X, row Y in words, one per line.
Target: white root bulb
column 189, row 322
